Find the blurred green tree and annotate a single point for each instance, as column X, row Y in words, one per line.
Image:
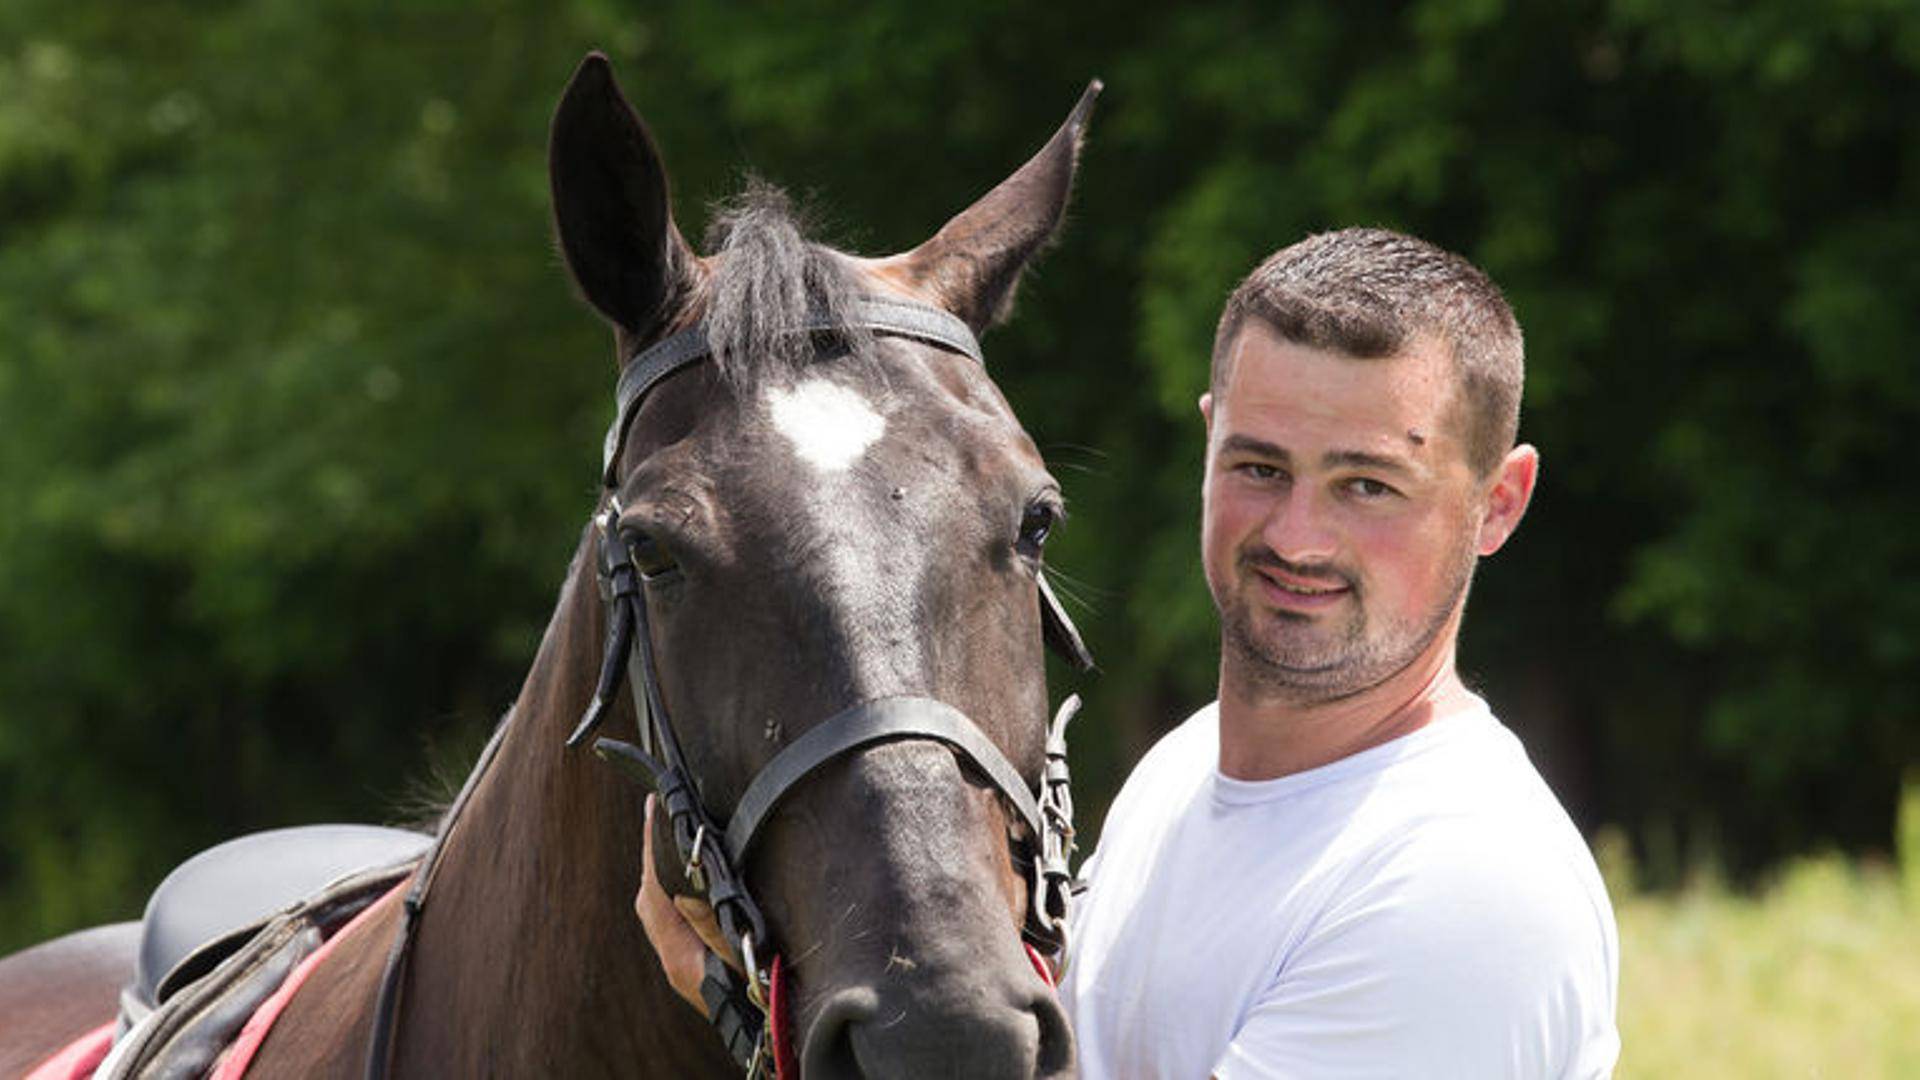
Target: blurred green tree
column 288, row 387
column 298, row 422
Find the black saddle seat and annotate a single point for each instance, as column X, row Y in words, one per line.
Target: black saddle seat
column 213, row 902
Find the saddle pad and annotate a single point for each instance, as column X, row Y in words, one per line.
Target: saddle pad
column 234, row 1064
column 217, row 1018
column 79, row 1058
column 82, row 1058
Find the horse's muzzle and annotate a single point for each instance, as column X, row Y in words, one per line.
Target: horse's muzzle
column 1019, row 1033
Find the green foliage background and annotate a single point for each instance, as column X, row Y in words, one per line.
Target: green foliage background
column 298, row 420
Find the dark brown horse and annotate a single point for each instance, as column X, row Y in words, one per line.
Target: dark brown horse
column 827, row 519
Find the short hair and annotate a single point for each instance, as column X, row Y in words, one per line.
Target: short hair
column 1367, row 294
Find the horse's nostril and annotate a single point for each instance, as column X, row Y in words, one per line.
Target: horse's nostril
column 1020, row 1040
column 828, row 1050
column 1055, row 1053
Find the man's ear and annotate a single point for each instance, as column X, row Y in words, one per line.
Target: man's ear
column 1206, row 412
column 1508, row 492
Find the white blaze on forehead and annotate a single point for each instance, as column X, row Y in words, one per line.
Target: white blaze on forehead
column 829, row 425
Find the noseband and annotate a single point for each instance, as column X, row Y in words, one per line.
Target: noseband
column 713, row 854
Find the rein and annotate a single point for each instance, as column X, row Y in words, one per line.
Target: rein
column 741, row 1003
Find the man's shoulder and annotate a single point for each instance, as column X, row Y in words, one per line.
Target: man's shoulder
column 1196, row 737
column 1478, row 902
column 1481, row 879
column 1160, row 790
column 1190, row 750
column 1471, row 927
column 1473, row 827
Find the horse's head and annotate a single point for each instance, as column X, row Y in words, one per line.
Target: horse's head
column 833, row 513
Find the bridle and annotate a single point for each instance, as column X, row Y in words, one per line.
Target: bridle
column 742, row 1004
column 713, row 854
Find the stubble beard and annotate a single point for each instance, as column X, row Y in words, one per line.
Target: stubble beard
column 1301, row 660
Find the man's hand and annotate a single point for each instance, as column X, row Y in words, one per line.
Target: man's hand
column 681, row 928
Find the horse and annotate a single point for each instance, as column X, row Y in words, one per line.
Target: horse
column 829, row 510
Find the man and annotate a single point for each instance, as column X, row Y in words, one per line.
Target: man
column 1346, row 866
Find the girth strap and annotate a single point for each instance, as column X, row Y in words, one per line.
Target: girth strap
column 871, row 722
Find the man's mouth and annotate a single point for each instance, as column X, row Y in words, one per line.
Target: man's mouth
column 1299, row 590
column 1288, row 589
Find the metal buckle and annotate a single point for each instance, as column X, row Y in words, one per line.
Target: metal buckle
column 692, row 871
column 607, row 555
column 757, row 984
column 1050, row 901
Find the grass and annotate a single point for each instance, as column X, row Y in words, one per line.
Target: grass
column 1817, row 975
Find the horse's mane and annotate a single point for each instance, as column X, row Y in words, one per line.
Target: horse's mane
column 768, row 280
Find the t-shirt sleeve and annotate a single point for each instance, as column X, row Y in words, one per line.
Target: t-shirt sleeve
column 1448, row 958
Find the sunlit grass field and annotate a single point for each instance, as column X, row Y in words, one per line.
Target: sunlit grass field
column 1816, row 975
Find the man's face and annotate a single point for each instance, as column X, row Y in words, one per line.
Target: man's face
column 1342, row 519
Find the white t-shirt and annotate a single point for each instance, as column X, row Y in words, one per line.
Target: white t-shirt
column 1421, row 909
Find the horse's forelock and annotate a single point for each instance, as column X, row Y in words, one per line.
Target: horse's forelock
column 769, row 279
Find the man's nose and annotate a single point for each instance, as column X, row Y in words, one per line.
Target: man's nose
column 1299, row 528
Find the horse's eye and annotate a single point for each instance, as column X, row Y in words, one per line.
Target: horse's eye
column 1035, row 524
column 650, row 556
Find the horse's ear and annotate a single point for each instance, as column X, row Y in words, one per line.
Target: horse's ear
column 972, row 265
column 610, row 207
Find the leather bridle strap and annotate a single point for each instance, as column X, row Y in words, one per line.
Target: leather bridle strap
column 716, row 864
column 661, row 764
column 1058, row 631
column 386, row 1011
column 876, row 314
column 872, row 722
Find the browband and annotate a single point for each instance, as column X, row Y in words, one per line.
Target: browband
column 880, row 314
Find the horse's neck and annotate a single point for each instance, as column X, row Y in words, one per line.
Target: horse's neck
column 529, row 959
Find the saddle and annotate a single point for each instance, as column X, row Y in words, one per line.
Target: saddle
column 226, row 927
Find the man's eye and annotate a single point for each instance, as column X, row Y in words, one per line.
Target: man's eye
column 1368, row 488
column 1260, row 470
